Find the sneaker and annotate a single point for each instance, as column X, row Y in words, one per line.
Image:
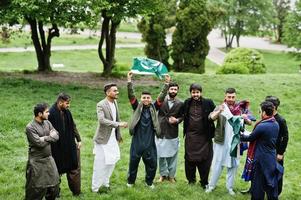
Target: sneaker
column 151, row 186
column 231, row 192
column 129, row 185
column 209, row 189
column 247, row 191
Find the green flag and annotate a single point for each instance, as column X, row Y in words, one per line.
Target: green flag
column 149, row 66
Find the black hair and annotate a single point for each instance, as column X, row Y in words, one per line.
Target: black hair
column 108, row 86
column 275, row 101
column 195, row 86
column 145, row 92
column 267, row 107
column 173, row 84
column 63, row 97
column 39, row 108
column 230, row 91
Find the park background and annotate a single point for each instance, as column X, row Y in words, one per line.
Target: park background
column 76, row 70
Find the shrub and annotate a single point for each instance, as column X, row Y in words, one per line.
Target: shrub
column 243, row 61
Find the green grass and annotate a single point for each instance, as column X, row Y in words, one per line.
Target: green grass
column 24, row 40
column 77, row 60
column 19, row 95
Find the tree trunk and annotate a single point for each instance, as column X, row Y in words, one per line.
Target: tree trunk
column 42, row 47
column 108, row 35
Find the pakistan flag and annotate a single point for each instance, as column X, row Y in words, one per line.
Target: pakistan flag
column 149, row 66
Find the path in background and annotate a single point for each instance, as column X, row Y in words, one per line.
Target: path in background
column 215, row 41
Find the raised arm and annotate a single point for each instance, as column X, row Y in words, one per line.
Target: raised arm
column 131, row 93
column 163, row 93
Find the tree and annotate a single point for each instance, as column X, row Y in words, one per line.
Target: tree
column 41, row 14
column 111, row 13
column 244, row 17
column 153, row 32
column 292, row 27
column 282, row 8
column 194, row 21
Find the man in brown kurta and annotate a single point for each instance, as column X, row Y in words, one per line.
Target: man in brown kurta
column 42, row 177
column 198, row 132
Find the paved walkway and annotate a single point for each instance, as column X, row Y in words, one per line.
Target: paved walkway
column 215, row 40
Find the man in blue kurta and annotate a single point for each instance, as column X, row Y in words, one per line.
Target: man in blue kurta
column 266, row 172
column 143, row 128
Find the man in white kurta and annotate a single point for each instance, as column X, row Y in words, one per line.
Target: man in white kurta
column 106, row 148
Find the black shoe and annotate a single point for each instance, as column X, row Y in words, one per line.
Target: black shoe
column 247, row 191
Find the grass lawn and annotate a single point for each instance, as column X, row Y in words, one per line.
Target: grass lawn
column 77, row 60
column 19, row 95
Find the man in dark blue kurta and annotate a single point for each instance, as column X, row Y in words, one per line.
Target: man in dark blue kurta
column 265, row 177
column 143, row 127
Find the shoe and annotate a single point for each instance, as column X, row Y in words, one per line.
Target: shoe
column 172, row 180
column 161, row 179
column 247, row 191
column 151, row 186
column 209, row 189
column 129, row 185
column 231, row 192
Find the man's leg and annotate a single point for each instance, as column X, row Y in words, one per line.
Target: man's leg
column 231, row 177
column 98, row 170
column 257, row 184
column 163, row 167
column 52, row 192
column 172, row 165
column 73, row 177
column 204, row 169
column 149, row 158
column 35, row 193
column 280, row 182
column 109, row 171
column 190, row 170
column 133, row 165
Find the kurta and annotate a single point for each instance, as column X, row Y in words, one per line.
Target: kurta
column 41, row 171
column 197, row 147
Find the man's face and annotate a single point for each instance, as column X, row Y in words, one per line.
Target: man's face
column 146, row 99
column 230, row 98
column 44, row 115
column 112, row 92
column 64, row 105
column 196, row 94
column 173, row 91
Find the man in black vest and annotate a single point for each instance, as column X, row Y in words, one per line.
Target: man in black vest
column 66, row 151
column 198, row 132
column 169, row 115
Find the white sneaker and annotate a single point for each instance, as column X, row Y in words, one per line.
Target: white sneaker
column 151, row 186
column 129, row 185
column 209, row 189
column 231, row 192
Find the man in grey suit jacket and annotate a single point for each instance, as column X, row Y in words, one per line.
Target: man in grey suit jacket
column 170, row 115
column 107, row 136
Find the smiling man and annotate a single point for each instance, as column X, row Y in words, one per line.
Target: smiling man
column 143, row 128
column 198, row 132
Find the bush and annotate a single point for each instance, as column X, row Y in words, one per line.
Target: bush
column 243, row 61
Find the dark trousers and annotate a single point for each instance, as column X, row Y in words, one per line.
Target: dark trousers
column 259, row 186
column 280, row 181
column 74, row 177
column 203, row 168
column 149, row 158
column 49, row 193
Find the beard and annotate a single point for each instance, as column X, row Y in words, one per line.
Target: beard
column 172, row 95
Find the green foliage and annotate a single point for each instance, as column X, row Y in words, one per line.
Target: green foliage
column 282, row 8
column 243, row 17
column 243, row 61
column 194, row 21
column 292, row 27
column 153, row 28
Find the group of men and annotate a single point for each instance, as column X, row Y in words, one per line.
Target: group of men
column 54, row 150
column 154, row 128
